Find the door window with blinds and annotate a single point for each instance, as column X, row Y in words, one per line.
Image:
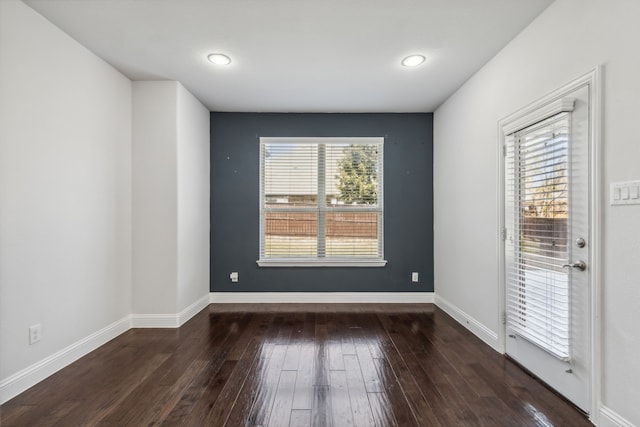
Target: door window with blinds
column 537, row 212
column 321, row 202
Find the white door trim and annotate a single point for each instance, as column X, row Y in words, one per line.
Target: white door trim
column 593, row 79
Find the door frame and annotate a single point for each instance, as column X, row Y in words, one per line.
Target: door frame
column 593, row 79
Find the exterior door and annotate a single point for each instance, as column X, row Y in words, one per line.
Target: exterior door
column 547, row 240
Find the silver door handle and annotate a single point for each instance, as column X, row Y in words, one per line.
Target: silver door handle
column 578, row 265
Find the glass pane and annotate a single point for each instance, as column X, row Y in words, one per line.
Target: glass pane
column 352, row 174
column 290, row 175
column 352, row 234
column 290, row 235
column 540, row 286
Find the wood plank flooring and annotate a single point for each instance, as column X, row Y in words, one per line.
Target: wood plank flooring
column 295, row 365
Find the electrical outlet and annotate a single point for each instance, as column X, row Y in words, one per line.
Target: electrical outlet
column 35, row 333
column 234, row 277
column 414, row 277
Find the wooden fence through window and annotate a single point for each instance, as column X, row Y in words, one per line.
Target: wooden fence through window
column 338, row 224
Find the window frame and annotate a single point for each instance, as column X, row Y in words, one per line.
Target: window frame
column 378, row 261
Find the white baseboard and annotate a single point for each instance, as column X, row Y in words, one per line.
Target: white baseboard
column 321, row 297
column 154, row 320
column 169, row 320
column 30, row 376
column 192, row 310
column 481, row 331
column 609, row 418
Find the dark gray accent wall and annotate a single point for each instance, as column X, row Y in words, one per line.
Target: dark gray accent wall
column 408, row 202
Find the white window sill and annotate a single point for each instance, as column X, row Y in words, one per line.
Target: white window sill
column 314, row 262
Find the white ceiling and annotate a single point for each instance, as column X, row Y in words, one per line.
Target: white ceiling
column 298, row 55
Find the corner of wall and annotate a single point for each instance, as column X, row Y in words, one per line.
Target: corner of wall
column 193, row 193
column 477, row 328
column 31, row 375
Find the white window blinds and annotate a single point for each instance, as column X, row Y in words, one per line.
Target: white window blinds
column 537, row 213
column 321, row 199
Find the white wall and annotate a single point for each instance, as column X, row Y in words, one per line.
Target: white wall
column 155, row 200
column 65, row 189
column 567, row 40
column 171, row 199
column 193, row 199
column 104, row 200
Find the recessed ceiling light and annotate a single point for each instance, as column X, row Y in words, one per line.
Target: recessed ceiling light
column 219, row 59
column 413, row 60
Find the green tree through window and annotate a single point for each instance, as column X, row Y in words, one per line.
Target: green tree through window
column 358, row 175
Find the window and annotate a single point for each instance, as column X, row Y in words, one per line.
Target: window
column 321, row 202
column 537, row 190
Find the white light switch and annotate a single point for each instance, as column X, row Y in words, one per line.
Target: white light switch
column 234, row 276
column 625, row 193
column 616, row 193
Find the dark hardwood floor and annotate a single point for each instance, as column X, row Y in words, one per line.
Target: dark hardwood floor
column 295, row 365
